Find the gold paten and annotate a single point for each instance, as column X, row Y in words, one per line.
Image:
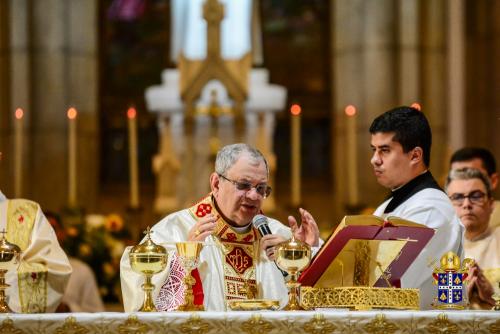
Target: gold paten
column 360, row 298
column 293, row 256
column 253, row 305
column 148, row 259
column 9, row 258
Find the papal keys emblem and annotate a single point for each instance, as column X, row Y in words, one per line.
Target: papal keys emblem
column 450, row 278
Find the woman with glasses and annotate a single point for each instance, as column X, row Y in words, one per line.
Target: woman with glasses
column 470, row 193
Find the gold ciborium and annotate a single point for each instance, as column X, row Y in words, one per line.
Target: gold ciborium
column 9, row 258
column 148, row 259
column 189, row 255
column 293, row 256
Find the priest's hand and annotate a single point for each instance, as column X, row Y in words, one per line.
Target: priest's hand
column 308, row 231
column 203, row 228
column 268, row 244
column 478, row 286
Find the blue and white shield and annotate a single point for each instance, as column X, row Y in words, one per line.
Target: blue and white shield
column 450, row 288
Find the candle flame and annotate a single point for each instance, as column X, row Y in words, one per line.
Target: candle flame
column 295, row 109
column 350, row 110
column 131, row 113
column 417, row 106
column 72, row 113
column 19, row 113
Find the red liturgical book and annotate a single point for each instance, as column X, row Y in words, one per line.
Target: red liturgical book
column 367, row 250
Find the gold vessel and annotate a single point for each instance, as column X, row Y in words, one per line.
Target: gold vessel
column 9, row 259
column 189, row 254
column 293, row 256
column 148, row 259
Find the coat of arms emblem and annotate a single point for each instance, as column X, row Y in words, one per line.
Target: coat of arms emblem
column 450, row 278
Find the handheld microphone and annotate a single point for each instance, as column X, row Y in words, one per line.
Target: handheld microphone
column 260, row 223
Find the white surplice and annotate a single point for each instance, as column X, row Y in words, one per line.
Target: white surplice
column 175, row 227
column 44, row 269
column 82, row 293
column 432, row 208
column 485, row 250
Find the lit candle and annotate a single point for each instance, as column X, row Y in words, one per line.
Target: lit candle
column 132, row 151
column 72, row 113
column 352, row 155
column 18, row 153
column 295, row 110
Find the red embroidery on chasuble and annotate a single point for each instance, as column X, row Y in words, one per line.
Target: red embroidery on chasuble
column 239, row 260
column 203, row 209
column 239, row 264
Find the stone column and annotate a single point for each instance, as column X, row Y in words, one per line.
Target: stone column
column 433, row 81
column 364, row 75
column 54, row 52
column 409, row 44
column 4, row 98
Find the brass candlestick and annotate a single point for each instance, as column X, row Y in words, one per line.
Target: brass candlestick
column 189, row 254
column 293, row 256
column 9, row 258
column 148, row 259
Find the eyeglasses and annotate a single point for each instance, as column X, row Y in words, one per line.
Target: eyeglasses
column 475, row 197
column 262, row 189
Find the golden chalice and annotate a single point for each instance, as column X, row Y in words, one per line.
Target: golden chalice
column 293, row 256
column 148, row 259
column 189, row 255
column 9, row 259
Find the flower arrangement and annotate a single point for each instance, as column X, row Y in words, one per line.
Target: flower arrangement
column 99, row 241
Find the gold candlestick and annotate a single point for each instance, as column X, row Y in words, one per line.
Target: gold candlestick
column 293, row 256
column 9, row 258
column 189, row 253
column 148, row 259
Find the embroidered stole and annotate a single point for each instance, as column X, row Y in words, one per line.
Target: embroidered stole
column 32, row 278
column 239, row 252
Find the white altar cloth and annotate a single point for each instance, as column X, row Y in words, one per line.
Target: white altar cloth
column 321, row 321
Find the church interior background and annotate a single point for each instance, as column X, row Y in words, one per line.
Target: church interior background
column 101, row 57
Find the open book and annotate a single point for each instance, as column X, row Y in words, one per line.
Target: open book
column 367, row 250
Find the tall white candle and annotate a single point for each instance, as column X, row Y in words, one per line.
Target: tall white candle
column 295, row 111
column 352, row 155
column 133, row 162
column 72, row 113
column 18, row 152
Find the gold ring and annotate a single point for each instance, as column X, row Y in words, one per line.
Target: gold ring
column 197, row 233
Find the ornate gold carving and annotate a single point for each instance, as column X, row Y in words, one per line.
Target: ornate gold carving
column 442, row 325
column 71, row 326
column 380, row 325
column 360, row 298
column 493, row 328
column 256, row 325
column 8, row 327
column 318, row 325
column 361, row 264
column 195, row 325
column 133, row 326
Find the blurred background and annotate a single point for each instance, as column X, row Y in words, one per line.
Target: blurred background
column 339, row 63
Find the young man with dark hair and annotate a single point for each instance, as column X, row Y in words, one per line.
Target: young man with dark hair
column 481, row 159
column 401, row 142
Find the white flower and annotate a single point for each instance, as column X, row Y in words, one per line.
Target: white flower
column 94, row 221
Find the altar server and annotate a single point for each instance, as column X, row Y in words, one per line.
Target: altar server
column 401, row 143
column 236, row 262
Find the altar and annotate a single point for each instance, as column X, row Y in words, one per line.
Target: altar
column 320, row 321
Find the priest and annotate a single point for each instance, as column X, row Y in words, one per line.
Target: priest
column 401, row 143
column 236, row 261
column 38, row 284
